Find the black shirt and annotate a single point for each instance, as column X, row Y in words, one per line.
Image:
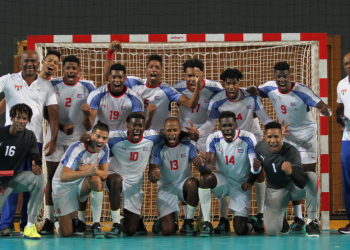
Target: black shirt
column 15, row 149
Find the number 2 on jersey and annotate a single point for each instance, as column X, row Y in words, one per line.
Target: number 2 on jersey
column 68, row 101
column 232, row 160
column 174, row 165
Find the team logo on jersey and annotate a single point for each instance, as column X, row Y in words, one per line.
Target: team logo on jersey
column 274, row 99
column 18, row 87
column 124, row 149
column 293, row 104
column 206, row 100
column 343, row 91
column 38, row 90
column 104, row 106
column 98, row 159
column 240, row 150
column 263, row 157
column 249, row 107
column 80, row 95
column 156, row 98
column 58, row 94
column 183, row 155
column 220, row 150
column 123, row 107
column 145, row 149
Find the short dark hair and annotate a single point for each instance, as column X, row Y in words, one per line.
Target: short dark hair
column 54, row 52
column 273, row 124
column 117, row 66
column 281, row 66
column 156, row 58
column 21, row 108
column 137, row 115
column 71, row 58
column 227, row 114
column 100, row 126
column 231, row 74
column 193, row 63
column 171, row 118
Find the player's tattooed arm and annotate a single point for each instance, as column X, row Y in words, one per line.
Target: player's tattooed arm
column 68, row 175
column 154, row 173
column 151, row 110
column 192, row 132
column 340, row 116
column 324, row 109
column 113, row 46
column 89, row 116
column 2, row 106
column 193, row 101
column 54, row 125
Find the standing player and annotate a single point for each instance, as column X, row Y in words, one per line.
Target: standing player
column 30, row 88
column 343, row 114
column 17, row 144
column 232, row 151
column 286, row 181
column 71, row 94
column 174, row 177
column 81, row 172
column 244, row 106
column 291, row 102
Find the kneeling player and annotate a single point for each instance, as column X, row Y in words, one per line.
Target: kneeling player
column 286, row 181
column 170, row 166
column 81, row 172
column 234, row 153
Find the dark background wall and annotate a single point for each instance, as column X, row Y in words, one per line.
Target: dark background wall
column 19, row 18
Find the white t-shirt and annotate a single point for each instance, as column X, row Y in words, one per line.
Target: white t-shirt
column 37, row 96
column 293, row 107
column 113, row 110
column 174, row 162
column 343, row 93
column 161, row 96
column 70, row 98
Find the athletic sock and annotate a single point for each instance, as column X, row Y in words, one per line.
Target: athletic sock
column 223, row 204
column 73, row 215
column 96, row 205
column 57, row 225
column 297, row 211
column 115, row 216
column 81, row 216
column 311, row 216
column 184, row 207
column 205, row 199
column 250, row 227
column 260, row 189
column 29, row 224
column 48, row 212
column 190, row 212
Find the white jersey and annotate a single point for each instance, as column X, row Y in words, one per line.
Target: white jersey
column 130, row 159
column 293, row 107
column 174, row 162
column 76, row 155
column 244, row 108
column 70, row 98
column 343, row 93
column 233, row 159
column 198, row 115
column 113, row 110
column 161, row 96
column 37, row 96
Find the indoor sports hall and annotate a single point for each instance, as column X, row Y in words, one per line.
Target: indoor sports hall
column 252, row 36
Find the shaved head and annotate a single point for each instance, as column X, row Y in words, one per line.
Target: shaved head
column 29, row 63
column 28, row 53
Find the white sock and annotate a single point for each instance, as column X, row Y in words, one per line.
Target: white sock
column 48, row 212
column 260, row 189
column 205, row 199
column 184, row 207
column 96, row 205
column 81, row 215
column 73, row 215
column 250, row 227
column 29, row 224
column 115, row 216
column 297, row 211
column 223, row 204
column 311, row 216
column 57, row 225
column 190, row 212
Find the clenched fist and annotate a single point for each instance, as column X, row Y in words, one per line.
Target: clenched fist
column 287, row 168
column 86, row 109
column 115, row 45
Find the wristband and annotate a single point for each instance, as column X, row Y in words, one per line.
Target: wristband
column 110, row 54
column 204, row 167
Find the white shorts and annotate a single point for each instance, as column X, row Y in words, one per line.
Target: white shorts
column 307, row 148
column 168, row 198
column 239, row 200
column 57, row 154
column 67, row 202
column 132, row 196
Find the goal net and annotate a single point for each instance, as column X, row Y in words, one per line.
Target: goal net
column 254, row 59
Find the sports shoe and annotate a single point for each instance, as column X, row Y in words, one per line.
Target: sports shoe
column 252, row 220
column 141, row 229
column 199, row 225
column 259, row 226
column 176, row 228
column 31, row 233
column 345, row 230
column 207, row 229
column 115, row 232
column 313, row 229
column 48, row 228
column 285, row 226
column 297, row 226
column 156, row 227
column 97, row 232
column 188, row 226
column 6, row 231
column 223, row 226
column 79, row 227
column 183, row 229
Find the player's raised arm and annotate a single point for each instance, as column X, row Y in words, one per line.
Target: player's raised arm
column 114, row 46
column 193, row 101
column 154, row 173
column 151, row 110
column 89, row 116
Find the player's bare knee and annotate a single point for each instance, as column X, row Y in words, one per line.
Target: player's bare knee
column 206, row 180
column 130, row 231
column 241, row 230
column 192, row 185
column 167, row 229
column 114, row 181
column 95, row 183
column 66, row 232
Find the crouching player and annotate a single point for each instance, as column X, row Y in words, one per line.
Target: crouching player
column 170, row 166
column 81, row 172
column 232, row 151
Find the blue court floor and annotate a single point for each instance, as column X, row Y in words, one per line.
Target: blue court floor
column 327, row 240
